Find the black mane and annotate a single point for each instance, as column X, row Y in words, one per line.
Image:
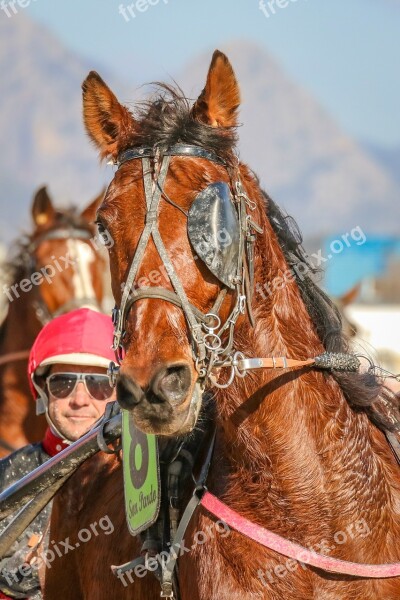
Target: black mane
column 166, row 119
column 363, row 391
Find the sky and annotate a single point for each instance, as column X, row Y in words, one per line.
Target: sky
column 345, row 52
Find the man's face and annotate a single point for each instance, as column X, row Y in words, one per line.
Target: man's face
column 74, row 415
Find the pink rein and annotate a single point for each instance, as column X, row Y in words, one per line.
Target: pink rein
column 290, row 549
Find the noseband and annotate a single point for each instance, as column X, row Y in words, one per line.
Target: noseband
column 42, row 311
column 218, row 203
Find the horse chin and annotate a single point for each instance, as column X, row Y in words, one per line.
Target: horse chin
column 174, row 425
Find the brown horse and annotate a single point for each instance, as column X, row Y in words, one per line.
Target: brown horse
column 56, row 269
column 297, row 451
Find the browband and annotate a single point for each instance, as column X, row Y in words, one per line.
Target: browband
column 61, row 233
column 176, row 150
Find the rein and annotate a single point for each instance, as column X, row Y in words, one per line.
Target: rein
column 11, row 356
column 275, row 542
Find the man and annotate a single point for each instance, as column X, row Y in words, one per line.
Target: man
column 68, row 375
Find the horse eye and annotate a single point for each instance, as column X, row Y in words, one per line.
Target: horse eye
column 103, row 233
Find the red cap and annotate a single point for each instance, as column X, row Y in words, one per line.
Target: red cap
column 80, row 337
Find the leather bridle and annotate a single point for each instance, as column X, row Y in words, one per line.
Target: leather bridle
column 212, row 342
column 42, row 311
column 206, row 330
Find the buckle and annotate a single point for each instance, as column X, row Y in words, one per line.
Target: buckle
column 238, row 356
column 112, row 372
column 115, row 315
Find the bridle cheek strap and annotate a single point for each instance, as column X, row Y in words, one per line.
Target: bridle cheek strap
column 277, row 543
column 153, row 191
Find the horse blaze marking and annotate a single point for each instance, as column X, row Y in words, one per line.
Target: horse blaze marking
column 83, row 257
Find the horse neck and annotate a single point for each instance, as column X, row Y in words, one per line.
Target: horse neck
column 21, row 324
column 18, row 421
column 292, row 433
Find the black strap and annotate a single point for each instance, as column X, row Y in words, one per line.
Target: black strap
column 7, row 446
column 394, row 444
column 167, row 578
column 112, row 409
column 160, row 294
column 176, row 150
column 61, row 233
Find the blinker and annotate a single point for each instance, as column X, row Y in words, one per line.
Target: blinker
column 214, row 231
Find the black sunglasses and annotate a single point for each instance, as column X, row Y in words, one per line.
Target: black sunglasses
column 62, row 385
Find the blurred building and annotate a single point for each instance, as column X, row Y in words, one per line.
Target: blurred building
column 373, row 265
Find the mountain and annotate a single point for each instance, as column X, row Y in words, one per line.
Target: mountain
column 307, row 164
column 41, row 130
column 388, row 158
column 321, row 176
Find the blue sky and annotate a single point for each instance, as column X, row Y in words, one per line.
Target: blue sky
column 345, row 52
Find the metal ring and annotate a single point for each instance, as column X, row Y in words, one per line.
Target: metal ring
column 201, row 369
column 223, row 385
column 217, row 322
column 236, row 357
column 212, row 336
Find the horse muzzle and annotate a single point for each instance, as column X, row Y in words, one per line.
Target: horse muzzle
column 168, row 405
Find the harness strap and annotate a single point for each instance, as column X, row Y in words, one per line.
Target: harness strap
column 177, row 150
column 280, row 362
column 61, row 233
column 275, row 542
column 394, row 444
column 328, row 360
column 6, row 446
column 167, row 576
column 152, row 200
column 195, row 327
column 168, row 571
column 11, row 356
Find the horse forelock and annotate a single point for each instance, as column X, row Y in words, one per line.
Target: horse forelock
column 167, row 119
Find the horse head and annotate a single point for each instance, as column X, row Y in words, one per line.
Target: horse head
column 176, row 264
column 62, row 257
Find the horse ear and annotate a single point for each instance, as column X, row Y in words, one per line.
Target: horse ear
column 350, row 296
column 107, row 122
column 89, row 213
column 218, row 103
column 43, row 211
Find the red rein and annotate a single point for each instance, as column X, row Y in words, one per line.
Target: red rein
column 279, row 544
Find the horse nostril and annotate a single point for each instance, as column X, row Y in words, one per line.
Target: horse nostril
column 129, row 394
column 172, row 383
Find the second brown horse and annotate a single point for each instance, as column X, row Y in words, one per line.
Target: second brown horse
column 56, row 269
